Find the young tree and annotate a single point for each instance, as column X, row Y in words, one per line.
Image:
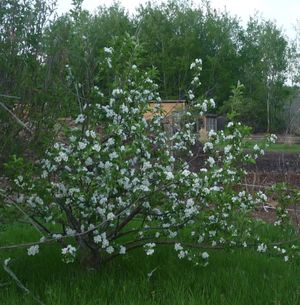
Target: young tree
column 119, row 183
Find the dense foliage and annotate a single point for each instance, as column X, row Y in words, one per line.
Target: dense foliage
column 37, row 46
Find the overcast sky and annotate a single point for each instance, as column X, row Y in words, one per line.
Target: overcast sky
column 284, row 12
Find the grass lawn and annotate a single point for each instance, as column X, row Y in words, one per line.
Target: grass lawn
column 285, row 147
column 277, row 147
column 232, row 278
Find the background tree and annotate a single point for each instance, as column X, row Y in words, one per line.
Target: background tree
column 264, row 58
column 22, row 69
column 53, row 63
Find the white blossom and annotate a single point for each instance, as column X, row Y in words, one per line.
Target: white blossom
column 108, row 50
column 227, row 149
column 122, row 250
column 149, row 248
column 211, row 161
column 110, row 216
column 82, row 145
column 169, row 175
column 88, row 161
column 110, row 249
column 96, row 147
column 208, row 146
column 69, row 253
column 262, row 248
column 205, row 255
column 33, row 250
column 80, row 118
column 178, row 247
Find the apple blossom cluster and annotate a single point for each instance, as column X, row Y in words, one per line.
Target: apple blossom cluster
column 33, row 250
column 120, row 182
column 68, row 253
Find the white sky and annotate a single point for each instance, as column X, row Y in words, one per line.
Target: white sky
column 284, row 12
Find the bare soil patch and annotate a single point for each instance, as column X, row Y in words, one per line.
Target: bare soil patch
column 280, row 162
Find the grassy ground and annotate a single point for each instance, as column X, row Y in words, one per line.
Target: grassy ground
column 231, row 278
column 285, row 147
column 277, row 147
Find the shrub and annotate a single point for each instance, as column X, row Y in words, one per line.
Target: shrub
column 119, row 182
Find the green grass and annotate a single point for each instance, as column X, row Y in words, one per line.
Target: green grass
column 277, row 147
column 231, row 278
column 285, row 147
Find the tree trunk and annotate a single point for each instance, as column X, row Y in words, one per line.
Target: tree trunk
column 89, row 253
column 268, row 112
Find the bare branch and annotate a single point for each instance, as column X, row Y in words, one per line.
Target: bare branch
column 19, row 283
column 10, row 96
column 16, row 118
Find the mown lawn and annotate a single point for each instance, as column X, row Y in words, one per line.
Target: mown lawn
column 276, row 147
column 232, row 278
column 285, row 147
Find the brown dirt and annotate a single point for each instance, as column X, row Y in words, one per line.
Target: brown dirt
column 273, row 167
column 281, row 162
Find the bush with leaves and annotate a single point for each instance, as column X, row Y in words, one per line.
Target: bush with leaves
column 119, row 182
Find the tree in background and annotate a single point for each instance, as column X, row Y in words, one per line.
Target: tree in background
column 22, row 69
column 53, row 63
column 292, row 106
column 264, row 58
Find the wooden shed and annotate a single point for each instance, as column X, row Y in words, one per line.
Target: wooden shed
column 169, row 107
column 175, row 109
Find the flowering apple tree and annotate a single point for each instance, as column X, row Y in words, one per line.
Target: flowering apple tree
column 120, row 182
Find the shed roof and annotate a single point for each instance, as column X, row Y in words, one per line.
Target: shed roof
column 168, row 106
